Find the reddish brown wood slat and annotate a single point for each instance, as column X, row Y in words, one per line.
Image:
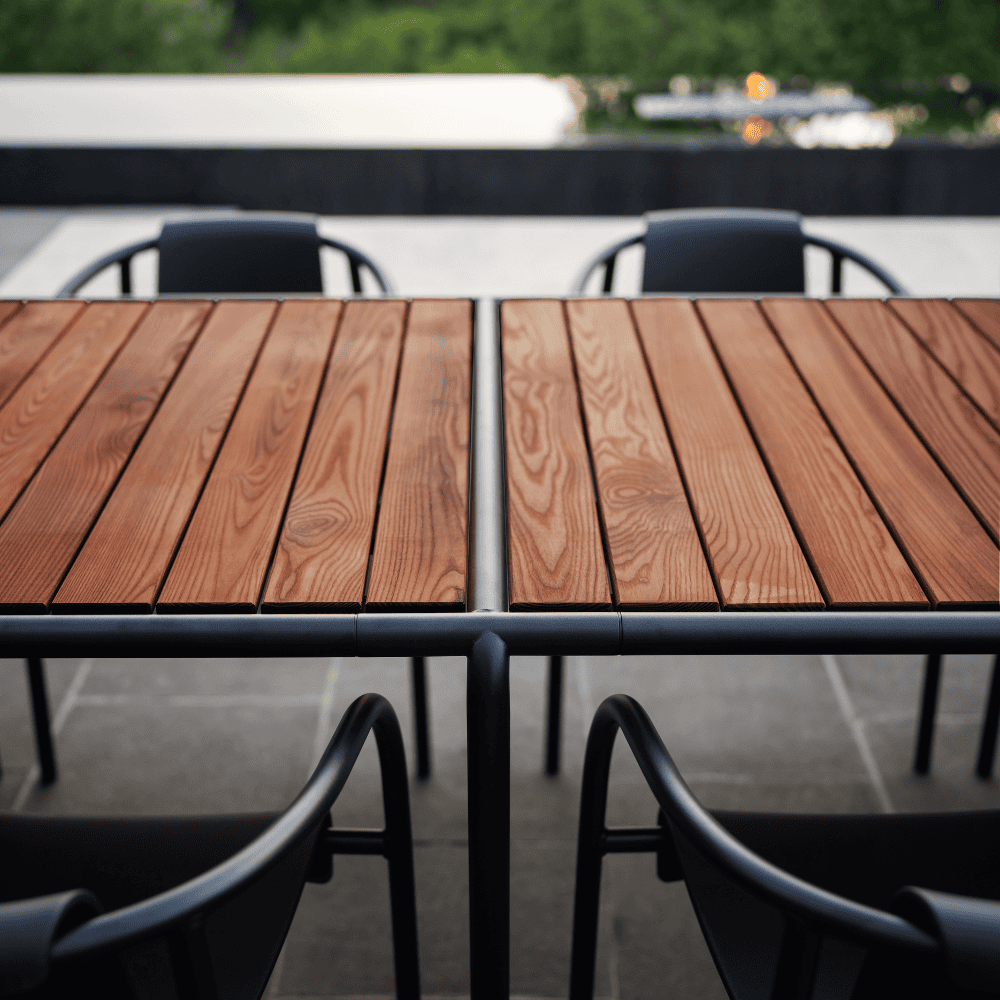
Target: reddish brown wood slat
column 985, row 314
column 951, row 553
column 123, row 562
column 224, row 557
column 419, row 558
column 755, row 557
column 852, row 553
column 7, row 309
column 37, row 413
column 555, row 554
column 655, row 554
column 49, row 522
column 27, row 336
column 968, row 356
column 322, row 556
column 964, row 442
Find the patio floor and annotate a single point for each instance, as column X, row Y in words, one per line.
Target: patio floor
column 813, row 734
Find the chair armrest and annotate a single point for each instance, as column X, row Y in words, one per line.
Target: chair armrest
column 121, row 256
column 839, row 250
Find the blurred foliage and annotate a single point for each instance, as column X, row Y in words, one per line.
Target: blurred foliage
column 111, row 36
column 888, row 49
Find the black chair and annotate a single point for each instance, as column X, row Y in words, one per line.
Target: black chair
column 728, row 251
column 801, row 907
column 234, row 256
column 198, row 906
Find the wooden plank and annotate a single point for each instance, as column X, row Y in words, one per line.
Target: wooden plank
column 123, row 562
column 27, row 336
column 985, row 314
column 38, row 412
column 968, row 356
column 655, row 554
column 50, row 521
column 322, row 555
column 555, row 553
column 951, row 554
column 226, row 552
column 965, row 443
column 419, row 557
column 7, row 309
column 852, row 553
column 755, row 558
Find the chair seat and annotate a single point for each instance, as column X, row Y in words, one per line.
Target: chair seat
column 120, row 860
column 869, row 858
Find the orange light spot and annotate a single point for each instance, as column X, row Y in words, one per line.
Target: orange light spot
column 754, row 129
column 757, row 87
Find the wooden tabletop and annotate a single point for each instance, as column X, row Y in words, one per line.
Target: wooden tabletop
column 661, row 454
column 789, row 454
column 199, row 457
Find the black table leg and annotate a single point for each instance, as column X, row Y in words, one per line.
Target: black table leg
column 928, row 709
column 553, row 727
column 43, row 724
column 420, row 722
column 488, row 708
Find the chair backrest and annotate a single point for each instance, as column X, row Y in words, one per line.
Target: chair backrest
column 773, row 901
column 724, row 250
column 232, row 256
column 197, row 907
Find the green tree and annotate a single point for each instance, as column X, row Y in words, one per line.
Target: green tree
column 112, row 36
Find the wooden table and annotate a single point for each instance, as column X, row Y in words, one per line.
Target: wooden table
column 314, row 477
column 783, row 455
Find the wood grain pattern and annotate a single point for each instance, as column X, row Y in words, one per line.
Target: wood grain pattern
column 952, row 555
column 49, row 522
column 419, row 558
column 984, row 314
column 322, row 556
column 37, row 413
column 852, row 553
column 964, row 442
column 224, row 557
column 755, row 557
column 555, row 553
column 655, row 554
column 7, row 309
column 968, row 356
column 27, row 336
column 123, row 562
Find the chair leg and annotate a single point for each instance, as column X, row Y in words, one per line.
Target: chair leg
column 991, row 722
column 554, row 715
column 928, row 709
column 40, row 715
column 421, row 723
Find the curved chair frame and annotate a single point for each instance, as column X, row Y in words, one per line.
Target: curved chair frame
column 185, row 903
column 839, row 253
column 817, row 909
column 123, row 258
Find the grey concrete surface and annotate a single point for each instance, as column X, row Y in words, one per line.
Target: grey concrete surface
column 796, row 733
column 502, row 256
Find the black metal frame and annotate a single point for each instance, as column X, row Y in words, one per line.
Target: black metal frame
column 123, row 258
column 488, row 634
column 179, row 910
column 966, row 931
column 838, row 252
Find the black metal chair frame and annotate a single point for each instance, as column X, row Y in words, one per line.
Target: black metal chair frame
column 965, row 931
column 31, row 945
column 839, row 253
column 123, row 258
